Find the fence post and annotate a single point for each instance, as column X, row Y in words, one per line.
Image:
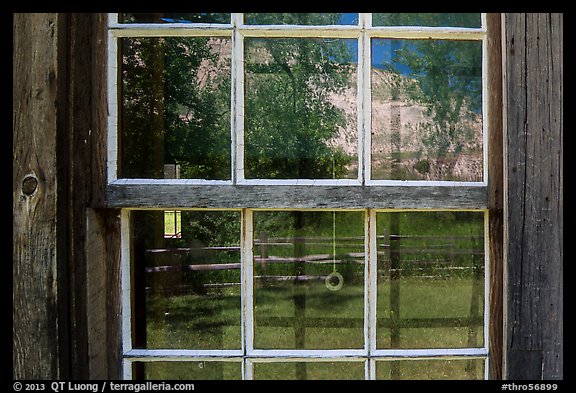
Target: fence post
column 299, row 292
column 263, row 252
column 395, row 290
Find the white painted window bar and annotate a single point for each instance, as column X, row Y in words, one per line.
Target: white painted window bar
column 140, row 193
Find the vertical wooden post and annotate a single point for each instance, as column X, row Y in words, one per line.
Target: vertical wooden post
column 495, row 192
column 89, row 233
column 103, row 293
column 38, row 322
column 534, row 198
column 263, row 252
column 92, row 249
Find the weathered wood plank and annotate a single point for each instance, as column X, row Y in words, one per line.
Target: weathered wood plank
column 77, row 176
column 534, row 199
column 96, row 293
column 35, row 266
column 103, row 293
column 295, row 197
column 94, row 232
column 83, row 146
column 495, row 191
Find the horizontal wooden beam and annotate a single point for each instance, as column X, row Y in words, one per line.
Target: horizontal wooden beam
column 328, row 31
column 295, row 197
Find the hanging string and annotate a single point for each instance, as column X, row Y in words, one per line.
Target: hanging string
column 333, row 222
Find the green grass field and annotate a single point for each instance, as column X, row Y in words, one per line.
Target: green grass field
column 329, row 320
column 425, row 306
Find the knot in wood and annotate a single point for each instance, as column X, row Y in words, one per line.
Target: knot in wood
column 29, row 185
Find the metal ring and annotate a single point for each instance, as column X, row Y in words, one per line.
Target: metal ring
column 334, row 281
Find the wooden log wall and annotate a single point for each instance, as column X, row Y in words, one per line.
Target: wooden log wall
column 65, row 245
column 534, row 201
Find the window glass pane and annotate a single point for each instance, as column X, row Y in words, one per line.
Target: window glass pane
column 172, row 224
column 308, row 280
column 201, row 17
column 300, row 108
column 175, row 108
column 426, row 369
column 427, row 19
column 310, row 370
column 301, row 18
column 430, row 280
column 189, row 370
column 427, row 110
column 186, row 291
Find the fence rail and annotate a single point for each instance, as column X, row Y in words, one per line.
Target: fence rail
column 447, row 247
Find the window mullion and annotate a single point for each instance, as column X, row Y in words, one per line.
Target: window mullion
column 360, row 100
column 371, row 369
column 113, row 104
column 282, row 31
column 237, row 97
column 247, row 274
column 427, row 33
column 366, row 108
column 248, row 369
column 126, row 277
column 126, row 291
column 372, row 280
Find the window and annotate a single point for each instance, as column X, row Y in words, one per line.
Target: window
column 326, row 175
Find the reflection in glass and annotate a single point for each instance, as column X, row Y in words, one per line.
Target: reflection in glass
column 294, row 306
column 301, row 18
column 427, row 19
column 427, row 369
column 430, row 280
column 187, row 370
column 300, row 108
column 186, row 291
column 175, row 107
column 309, row 371
column 200, row 17
column 427, row 110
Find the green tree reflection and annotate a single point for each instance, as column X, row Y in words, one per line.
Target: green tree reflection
column 446, row 79
column 289, row 117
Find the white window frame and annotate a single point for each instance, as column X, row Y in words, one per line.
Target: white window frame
column 361, row 194
column 248, row 354
column 237, row 31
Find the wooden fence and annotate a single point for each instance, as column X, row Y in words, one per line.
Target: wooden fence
column 440, row 253
column 447, row 248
